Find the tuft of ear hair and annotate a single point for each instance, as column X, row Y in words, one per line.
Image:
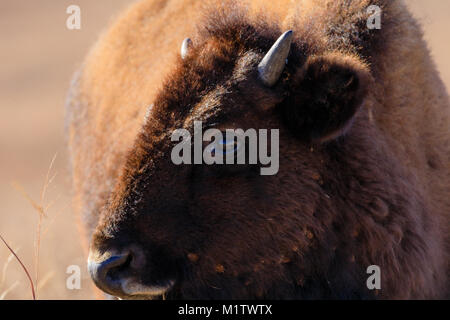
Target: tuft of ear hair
column 325, row 95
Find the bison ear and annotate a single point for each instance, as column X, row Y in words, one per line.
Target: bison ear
column 324, row 96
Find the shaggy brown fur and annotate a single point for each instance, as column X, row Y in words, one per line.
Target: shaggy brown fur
column 364, row 151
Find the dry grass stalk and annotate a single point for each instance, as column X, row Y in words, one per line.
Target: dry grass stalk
column 11, row 288
column 5, row 268
column 42, row 283
column 23, row 267
column 41, row 208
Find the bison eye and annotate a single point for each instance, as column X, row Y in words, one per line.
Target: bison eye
column 226, row 146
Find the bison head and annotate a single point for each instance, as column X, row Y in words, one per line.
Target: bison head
column 226, row 231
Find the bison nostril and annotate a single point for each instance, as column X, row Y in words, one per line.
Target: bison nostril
column 121, row 274
column 115, row 272
column 105, row 270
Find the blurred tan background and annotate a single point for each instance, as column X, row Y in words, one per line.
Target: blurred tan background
column 38, row 54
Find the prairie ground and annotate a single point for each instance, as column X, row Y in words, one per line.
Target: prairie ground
column 38, row 55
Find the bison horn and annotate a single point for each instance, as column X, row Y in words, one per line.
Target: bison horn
column 185, row 46
column 272, row 65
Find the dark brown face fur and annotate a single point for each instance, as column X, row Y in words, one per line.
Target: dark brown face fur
column 225, row 231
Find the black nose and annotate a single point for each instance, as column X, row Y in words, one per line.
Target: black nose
column 108, row 269
column 120, row 274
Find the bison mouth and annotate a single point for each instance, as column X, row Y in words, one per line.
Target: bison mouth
column 137, row 291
